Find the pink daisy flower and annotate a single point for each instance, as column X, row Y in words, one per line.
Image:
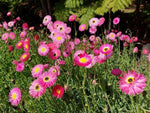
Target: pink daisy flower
column 83, row 60
column 18, row 18
column 132, row 83
column 118, row 34
column 101, row 21
column 72, row 18
column 8, row 13
column 76, row 41
column 25, row 26
column 135, row 50
column 134, row 38
column 50, row 26
column 106, row 48
column 92, row 38
column 11, row 24
column 70, row 45
column 94, row 22
column 62, row 28
column 51, row 46
column 116, row 72
column 20, row 67
column 43, row 50
column 46, row 20
column 58, row 38
column 59, row 62
column 27, row 40
column 54, row 54
column 24, row 57
column 12, row 35
column 92, row 30
column 26, row 46
column 36, row 89
column 66, row 53
column 37, row 70
column 5, row 25
column 10, row 47
column 82, row 27
column 15, row 96
column 116, row 20
column 53, row 70
column 47, row 79
column 145, row 51
column 94, row 58
column 23, row 34
column 68, row 30
column 19, row 45
column 5, row 36
column 57, row 23
column 111, row 36
column 58, row 91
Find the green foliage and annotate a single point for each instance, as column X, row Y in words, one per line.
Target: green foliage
column 113, row 5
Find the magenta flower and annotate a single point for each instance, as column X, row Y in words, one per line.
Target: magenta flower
column 36, row 89
column 8, row 13
column 54, row 54
column 106, row 48
column 66, row 53
column 23, row 34
column 37, row 70
column 24, row 57
column 19, row 45
column 82, row 27
column 43, row 50
column 72, row 18
column 5, row 36
column 76, row 41
column 58, row 91
column 116, row 20
column 12, row 35
column 47, row 79
column 145, row 51
column 15, row 96
column 20, row 67
column 132, row 83
column 92, row 30
column 116, row 72
column 101, row 21
column 10, row 47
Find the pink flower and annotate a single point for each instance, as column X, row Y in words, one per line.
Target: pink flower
column 83, row 60
column 24, row 57
column 54, row 54
column 94, row 22
column 46, row 20
column 76, row 41
column 70, row 45
column 72, row 18
column 112, row 36
column 94, row 59
column 5, row 25
column 58, row 38
column 58, row 91
column 132, row 83
column 92, row 30
column 59, row 62
column 68, row 30
column 10, row 48
column 145, row 51
column 66, row 53
column 11, row 24
column 92, row 38
column 20, row 67
column 82, row 27
column 134, row 38
column 37, row 70
column 43, row 50
column 53, row 70
column 23, row 34
column 36, row 89
column 18, row 18
column 15, row 62
column 25, row 26
column 116, row 72
column 106, row 48
column 12, row 35
column 47, row 79
column 101, row 21
column 8, row 13
column 15, row 96
column 5, row 36
column 125, row 44
column 116, row 20
column 135, row 50
column 26, row 46
column 19, row 45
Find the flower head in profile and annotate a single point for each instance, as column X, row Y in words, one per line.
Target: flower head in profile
column 15, row 96
column 72, row 18
column 116, row 71
column 101, row 21
column 37, row 70
column 132, row 83
column 8, row 13
column 43, row 50
column 36, row 89
column 58, row 91
column 135, row 50
column 20, row 67
column 46, row 20
column 82, row 27
column 106, row 48
column 47, row 79
column 116, row 20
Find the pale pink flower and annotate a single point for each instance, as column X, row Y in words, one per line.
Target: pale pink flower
column 5, row 36
column 37, row 70
column 46, row 20
column 94, row 22
column 11, row 24
column 43, row 50
column 135, row 50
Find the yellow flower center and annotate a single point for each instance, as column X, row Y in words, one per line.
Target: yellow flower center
column 130, row 80
column 14, row 96
column 82, row 27
column 20, row 44
column 26, row 46
column 36, row 69
column 43, row 49
column 24, row 56
column 83, row 60
column 111, row 35
column 58, row 91
column 105, row 49
column 46, row 79
column 54, row 71
column 37, row 87
column 58, row 38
